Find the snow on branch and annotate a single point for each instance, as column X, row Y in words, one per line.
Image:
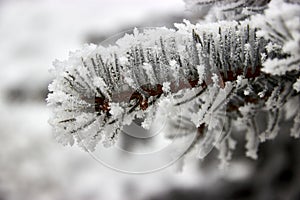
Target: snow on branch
column 212, row 69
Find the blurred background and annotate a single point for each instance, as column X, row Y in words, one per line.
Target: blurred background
column 33, row 33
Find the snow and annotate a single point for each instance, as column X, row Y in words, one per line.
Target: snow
column 296, row 85
column 166, row 87
column 33, row 164
column 116, row 110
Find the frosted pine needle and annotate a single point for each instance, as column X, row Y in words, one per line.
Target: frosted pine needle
column 217, row 72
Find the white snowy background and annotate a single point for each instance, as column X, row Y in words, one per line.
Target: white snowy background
column 33, row 33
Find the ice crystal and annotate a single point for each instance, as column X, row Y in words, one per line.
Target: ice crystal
column 297, row 85
column 210, row 73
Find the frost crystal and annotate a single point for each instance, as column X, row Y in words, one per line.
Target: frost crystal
column 296, row 85
column 210, row 74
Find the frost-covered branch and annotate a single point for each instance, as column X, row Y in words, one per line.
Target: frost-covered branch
column 223, row 70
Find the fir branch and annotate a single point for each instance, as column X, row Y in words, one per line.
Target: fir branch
column 224, row 70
